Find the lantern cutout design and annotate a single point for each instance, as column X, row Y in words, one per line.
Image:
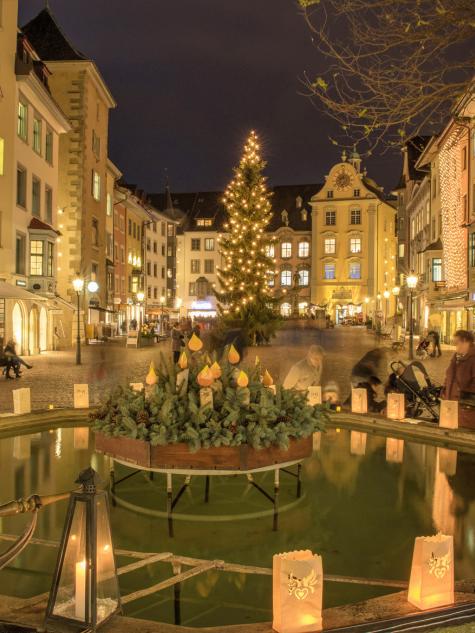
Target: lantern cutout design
column 394, row 450
column 297, row 583
column 359, row 401
column 85, row 590
column 449, row 414
column 395, row 407
column 358, row 443
column 432, row 573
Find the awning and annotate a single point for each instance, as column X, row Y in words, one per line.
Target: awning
column 9, row 291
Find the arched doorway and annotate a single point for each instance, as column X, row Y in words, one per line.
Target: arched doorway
column 33, row 332
column 17, row 327
column 43, row 330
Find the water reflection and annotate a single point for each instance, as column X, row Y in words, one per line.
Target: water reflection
column 366, row 498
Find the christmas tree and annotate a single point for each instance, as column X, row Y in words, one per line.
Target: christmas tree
column 247, row 266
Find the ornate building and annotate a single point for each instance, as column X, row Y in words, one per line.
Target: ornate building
column 353, row 244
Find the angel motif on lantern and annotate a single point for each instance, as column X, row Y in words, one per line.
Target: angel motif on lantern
column 301, row 588
column 439, row 565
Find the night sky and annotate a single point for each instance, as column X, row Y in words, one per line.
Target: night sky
column 192, row 77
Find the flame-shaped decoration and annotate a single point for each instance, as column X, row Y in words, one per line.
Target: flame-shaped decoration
column 183, row 361
column 215, row 370
column 151, row 378
column 267, row 379
column 233, row 355
column 242, row 379
column 195, row 343
column 205, row 377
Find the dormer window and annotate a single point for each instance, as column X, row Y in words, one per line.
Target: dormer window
column 285, row 217
column 204, row 222
column 304, row 215
column 329, row 194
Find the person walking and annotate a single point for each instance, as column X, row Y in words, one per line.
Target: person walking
column 14, row 361
column 177, row 342
column 434, row 337
column 460, row 378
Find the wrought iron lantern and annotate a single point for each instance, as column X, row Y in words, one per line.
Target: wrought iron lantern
column 85, row 590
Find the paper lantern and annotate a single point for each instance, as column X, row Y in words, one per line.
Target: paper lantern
column 233, row 355
column 267, row 379
column 394, row 450
column 195, row 343
column 432, row 573
column 216, row 370
column 151, row 378
column 297, row 583
column 183, row 360
column 449, row 414
column 314, row 395
column 242, row 379
column 205, row 377
column 359, row 401
column 395, row 406
column 358, row 443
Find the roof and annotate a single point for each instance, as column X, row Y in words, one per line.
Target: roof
column 48, row 39
column 9, row 291
column 371, row 185
column 414, row 148
column 435, row 246
column 39, row 225
column 189, row 207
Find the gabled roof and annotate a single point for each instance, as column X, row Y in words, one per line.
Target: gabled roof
column 294, row 199
column 414, row 148
column 49, row 40
column 38, row 225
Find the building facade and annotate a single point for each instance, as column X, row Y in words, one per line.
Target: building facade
column 353, row 245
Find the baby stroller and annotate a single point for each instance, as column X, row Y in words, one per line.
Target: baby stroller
column 421, row 394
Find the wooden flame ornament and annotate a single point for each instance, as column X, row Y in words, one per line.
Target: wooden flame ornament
column 151, row 378
column 233, row 355
column 242, row 379
column 267, row 379
column 242, row 382
column 432, row 573
column 216, row 370
column 195, row 343
column 205, row 380
column 183, row 361
column 297, row 582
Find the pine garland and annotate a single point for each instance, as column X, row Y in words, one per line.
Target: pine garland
column 167, row 415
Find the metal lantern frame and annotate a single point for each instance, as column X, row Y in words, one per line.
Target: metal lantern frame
column 87, row 495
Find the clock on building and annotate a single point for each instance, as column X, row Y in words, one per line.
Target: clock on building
column 342, row 179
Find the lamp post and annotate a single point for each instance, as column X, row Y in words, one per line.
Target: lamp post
column 411, row 281
column 396, row 290
column 386, row 295
column 140, row 296
column 78, row 285
column 162, row 305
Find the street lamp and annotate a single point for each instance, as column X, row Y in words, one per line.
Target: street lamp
column 411, row 281
column 78, row 285
column 396, row 290
column 162, row 304
column 140, row 296
column 386, row 295
column 93, row 286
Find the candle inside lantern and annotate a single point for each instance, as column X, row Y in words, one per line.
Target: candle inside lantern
column 80, row 590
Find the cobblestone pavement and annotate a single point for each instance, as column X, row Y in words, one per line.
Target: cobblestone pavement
column 54, row 373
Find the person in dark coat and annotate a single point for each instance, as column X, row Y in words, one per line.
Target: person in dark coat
column 14, row 361
column 177, row 341
column 434, row 337
column 460, row 377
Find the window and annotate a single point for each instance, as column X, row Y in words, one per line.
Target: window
column 2, row 156
column 209, row 244
column 209, row 266
column 149, row 244
column 270, row 250
column 303, row 277
column 22, row 125
column 20, row 250
column 49, row 146
column 330, row 245
column 356, row 193
column 401, row 250
column 271, row 282
column 96, row 144
column 304, row 249
column 434, row 187
column 149, row 268
column 163, row 272
column 355, row 270
column 50, row 259
column 329, row 271
column 109, row 205
column 21, row 187
column 437, row 268
column 155, row 293
column 330, row 218
column 471, row 250
column 155, row 270
column 192, row 289
column 204, row 222
column 355, row 244
column 95, row 232
column 355, row 216
column 155, row 246
column 36, row 257
column 149, row 292
column 96, row 185
column 329, row 194
column 130, row 226
column 195, row 244
column 37, row 135
column 48, row 204
column 162, row 228
column 195, row 265
column 163, row 250
column 286, row 249
column 286, row 278
column 35, row 197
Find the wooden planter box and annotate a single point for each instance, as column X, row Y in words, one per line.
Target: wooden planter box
column 242, row 457
column 146, row 341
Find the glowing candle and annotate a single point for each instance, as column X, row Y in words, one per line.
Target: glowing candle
column 80, row 590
